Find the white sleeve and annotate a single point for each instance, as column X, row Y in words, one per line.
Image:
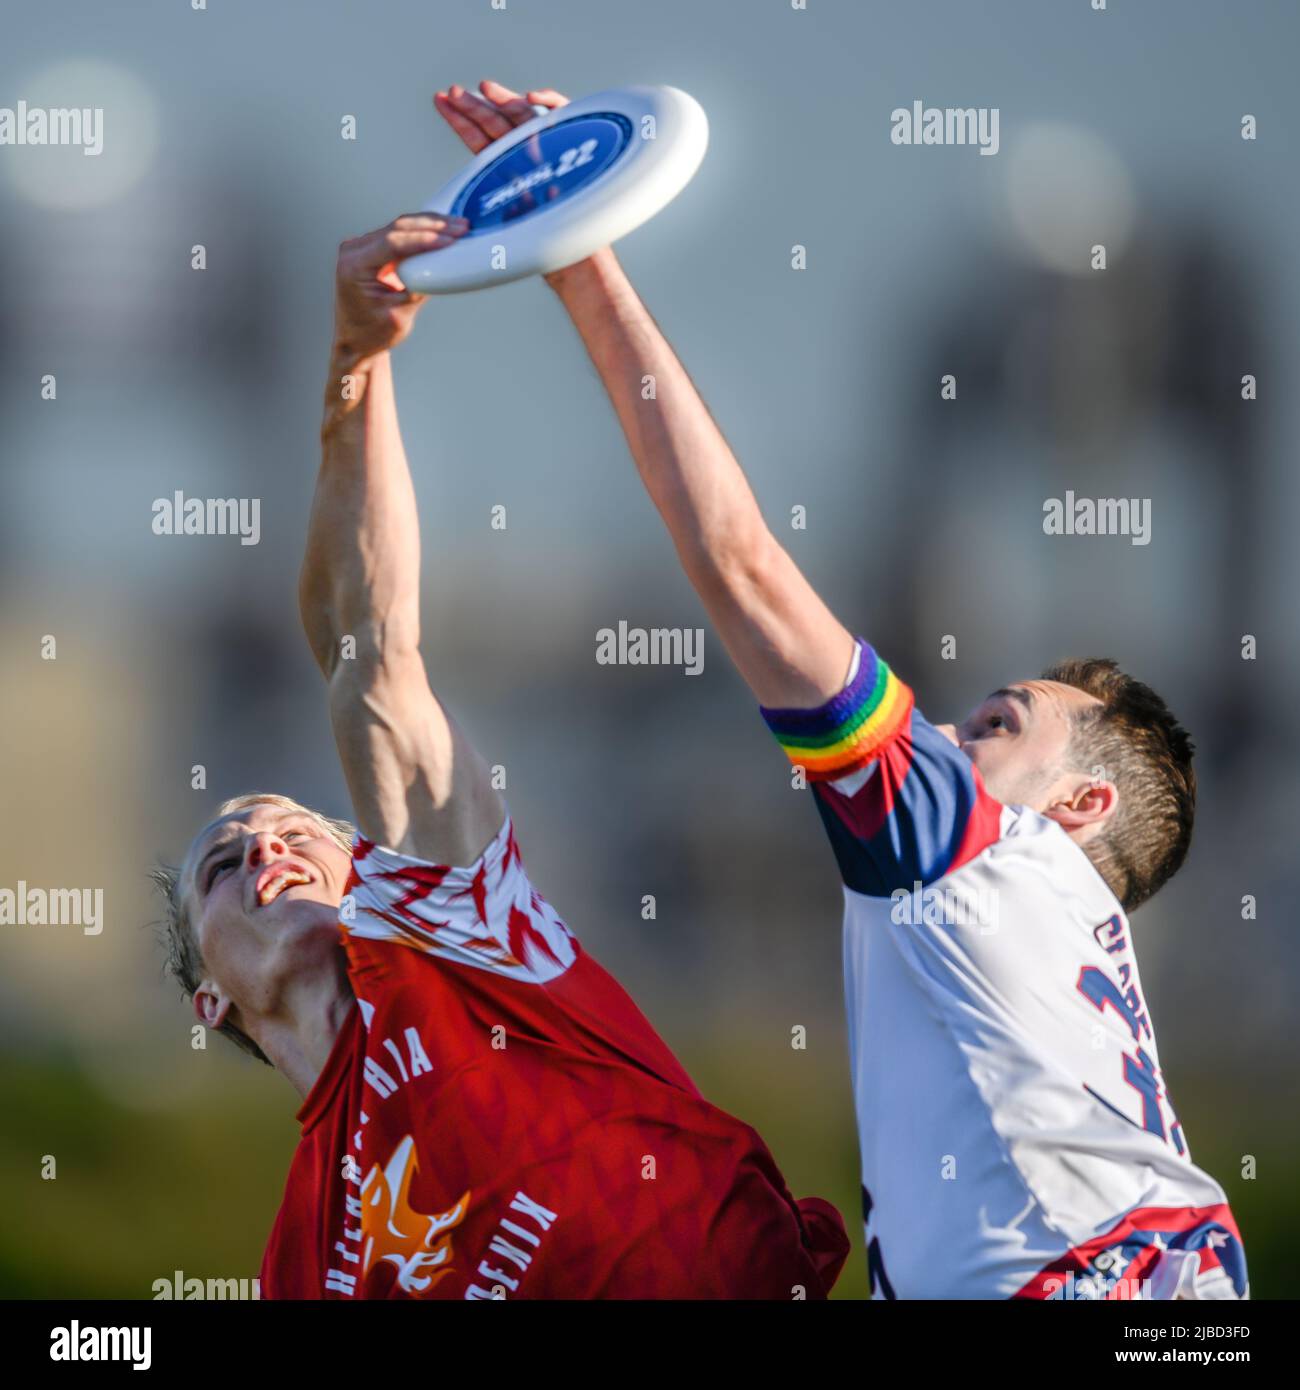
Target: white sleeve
column 486, row 914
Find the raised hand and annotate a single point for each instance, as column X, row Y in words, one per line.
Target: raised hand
column 479, row 120
column 373, row 309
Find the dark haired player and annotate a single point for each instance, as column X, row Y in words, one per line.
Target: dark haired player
column 1017, row 1138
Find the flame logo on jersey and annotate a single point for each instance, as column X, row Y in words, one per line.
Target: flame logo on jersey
column 418, row 1244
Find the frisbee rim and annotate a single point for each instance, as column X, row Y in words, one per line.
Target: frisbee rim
column 644, row 177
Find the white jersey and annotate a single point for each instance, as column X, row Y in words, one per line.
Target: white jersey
column 1017, row 1137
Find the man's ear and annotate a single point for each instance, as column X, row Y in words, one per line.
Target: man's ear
column 211, row 1004
column 1084, row 809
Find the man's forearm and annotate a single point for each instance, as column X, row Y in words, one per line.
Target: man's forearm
column 786, row 643
column 360, row 576
column 687, row 467
column 416, row 784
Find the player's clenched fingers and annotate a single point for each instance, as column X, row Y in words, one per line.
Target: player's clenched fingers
column 515, row 108
column 363, row 249
column 547, row 96
column 397, row 298
column 386, row 284
column 419, row 221
column 481, row 111
column 370, row 252
column 400, row 239
column 467, row 129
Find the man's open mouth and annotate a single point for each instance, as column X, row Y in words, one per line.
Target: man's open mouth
column 276, row 879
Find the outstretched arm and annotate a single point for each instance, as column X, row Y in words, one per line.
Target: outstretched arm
column 785, row 642
column 416, row 784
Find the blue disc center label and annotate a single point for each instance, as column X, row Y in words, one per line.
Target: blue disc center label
column 543, row 170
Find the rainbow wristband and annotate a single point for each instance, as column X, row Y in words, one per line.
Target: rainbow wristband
column 849, row 730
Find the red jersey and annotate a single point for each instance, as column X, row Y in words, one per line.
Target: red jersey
column 497, row 1119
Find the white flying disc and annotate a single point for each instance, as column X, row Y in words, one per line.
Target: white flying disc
column 561, row 186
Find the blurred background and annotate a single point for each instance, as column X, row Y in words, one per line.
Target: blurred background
column 924, row 520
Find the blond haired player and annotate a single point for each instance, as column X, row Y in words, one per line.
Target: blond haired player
column 484, row 1111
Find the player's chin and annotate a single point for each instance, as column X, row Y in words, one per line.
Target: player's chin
column 298, row 909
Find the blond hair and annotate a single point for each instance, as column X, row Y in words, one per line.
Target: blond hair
column 184, row 959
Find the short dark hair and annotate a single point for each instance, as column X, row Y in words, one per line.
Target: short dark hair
column 1147, row 754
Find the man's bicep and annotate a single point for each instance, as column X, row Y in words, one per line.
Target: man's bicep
column 416, row 783
column 900, row 803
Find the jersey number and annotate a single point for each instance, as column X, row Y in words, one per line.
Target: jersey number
column 1139, row 1071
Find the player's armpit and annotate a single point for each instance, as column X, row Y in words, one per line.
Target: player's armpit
column 900, row 803
column 415, row 781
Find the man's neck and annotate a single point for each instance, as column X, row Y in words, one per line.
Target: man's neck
column 299, row 1040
